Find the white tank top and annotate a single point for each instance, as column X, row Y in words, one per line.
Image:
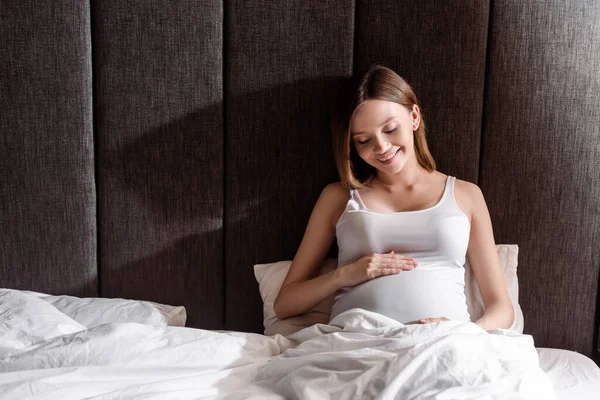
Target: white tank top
column 436, row 237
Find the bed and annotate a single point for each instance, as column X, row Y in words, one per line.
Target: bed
column 156, row 152
column 47, row 352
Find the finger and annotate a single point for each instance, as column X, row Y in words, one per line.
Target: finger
column 388, row 271
column 398, row 266
column 405, row 264
column 394, row 256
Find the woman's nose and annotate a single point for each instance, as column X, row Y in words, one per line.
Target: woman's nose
column 381, row 144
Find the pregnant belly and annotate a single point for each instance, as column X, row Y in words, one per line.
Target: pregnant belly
column 409, row 295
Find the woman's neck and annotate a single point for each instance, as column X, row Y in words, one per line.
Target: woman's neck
column 406, row 179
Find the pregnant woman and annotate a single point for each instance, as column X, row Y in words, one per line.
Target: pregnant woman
column 403, row 228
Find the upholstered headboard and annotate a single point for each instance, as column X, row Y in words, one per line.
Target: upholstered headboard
column 158, row 150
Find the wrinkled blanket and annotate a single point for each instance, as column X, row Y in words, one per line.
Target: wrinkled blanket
column 360, row 354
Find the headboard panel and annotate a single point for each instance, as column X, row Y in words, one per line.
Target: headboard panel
column 284, row 66
column 47, row 191
column 159, row 144
column 440, row 49
column 204, row 127
column 541, row 157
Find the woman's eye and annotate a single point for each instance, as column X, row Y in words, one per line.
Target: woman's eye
column 392, row 131
column 363, row 141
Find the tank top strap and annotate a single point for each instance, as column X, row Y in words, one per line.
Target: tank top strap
column 449, row 203
column 448, row 191
column 356, row 198
column 451, row 181
column 450, row 186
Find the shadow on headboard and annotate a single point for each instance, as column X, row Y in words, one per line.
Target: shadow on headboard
column 178, row 182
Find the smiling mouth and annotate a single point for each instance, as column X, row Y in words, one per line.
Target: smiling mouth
column 389, row 157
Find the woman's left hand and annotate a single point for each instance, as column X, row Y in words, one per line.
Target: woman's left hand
column 432, row 320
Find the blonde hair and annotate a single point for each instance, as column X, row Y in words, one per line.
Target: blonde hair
column 380, row 83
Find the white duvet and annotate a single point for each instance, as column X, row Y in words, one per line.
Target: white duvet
column 46, row 355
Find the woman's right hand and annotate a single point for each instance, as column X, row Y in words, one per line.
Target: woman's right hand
column 375, row 265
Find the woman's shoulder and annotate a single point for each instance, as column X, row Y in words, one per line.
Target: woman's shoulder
column 470, row 189
column 466, row 186
column 335, row 196
column 468, row 196
column 335, row 190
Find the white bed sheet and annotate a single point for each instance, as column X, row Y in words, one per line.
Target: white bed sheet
column 573, row 375
column 360, row 354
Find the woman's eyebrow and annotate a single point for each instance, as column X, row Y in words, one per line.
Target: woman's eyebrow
column 358, row 133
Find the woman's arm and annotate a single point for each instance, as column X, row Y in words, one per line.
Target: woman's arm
column 485, row 263
column 301, row 290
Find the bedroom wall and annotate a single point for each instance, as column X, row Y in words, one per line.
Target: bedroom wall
column 158, row 150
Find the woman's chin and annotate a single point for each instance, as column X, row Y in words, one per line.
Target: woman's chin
column 391, row 169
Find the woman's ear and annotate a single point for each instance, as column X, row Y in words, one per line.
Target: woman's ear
column 416, row 116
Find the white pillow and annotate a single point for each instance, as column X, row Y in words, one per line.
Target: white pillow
column 27, row 319
column 508, row 254
column 94, row 311
column 270, row 277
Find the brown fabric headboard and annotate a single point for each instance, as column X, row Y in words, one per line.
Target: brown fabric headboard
column 158, row 150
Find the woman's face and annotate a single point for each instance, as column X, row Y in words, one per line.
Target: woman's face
column 382, row 132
